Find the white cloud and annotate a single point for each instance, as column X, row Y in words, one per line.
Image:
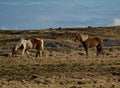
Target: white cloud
column 116, row 21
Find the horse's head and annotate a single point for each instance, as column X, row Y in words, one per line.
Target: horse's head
column 78, row 37
column 14, row 51
column 19, row 45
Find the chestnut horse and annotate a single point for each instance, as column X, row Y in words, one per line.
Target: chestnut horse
column 25, row 45
column 90, row 42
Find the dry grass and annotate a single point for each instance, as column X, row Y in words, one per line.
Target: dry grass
column 63, row 65
column 54, row 72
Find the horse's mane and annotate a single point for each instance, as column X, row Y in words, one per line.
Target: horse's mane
column 84, row 37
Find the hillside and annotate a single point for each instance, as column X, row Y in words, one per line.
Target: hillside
column 64, row 64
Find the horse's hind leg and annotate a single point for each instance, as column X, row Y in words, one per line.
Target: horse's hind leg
column 101, row 50
column 98, row 50
column 37, row 53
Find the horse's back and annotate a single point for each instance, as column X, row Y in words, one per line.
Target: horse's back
column 99, row 40
column 39, row 40
column 93, row 42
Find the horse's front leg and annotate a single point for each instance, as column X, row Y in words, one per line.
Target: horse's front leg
column 99, row 50
column 27, row 52
column 86, row 50
column 23, row 52
column 39, row 53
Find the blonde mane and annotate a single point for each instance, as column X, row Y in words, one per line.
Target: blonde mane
column 84, row 37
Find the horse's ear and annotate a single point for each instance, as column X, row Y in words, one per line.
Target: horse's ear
column 84, row 37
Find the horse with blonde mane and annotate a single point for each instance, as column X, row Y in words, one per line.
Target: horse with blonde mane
column 90, row 42
column 25, row 45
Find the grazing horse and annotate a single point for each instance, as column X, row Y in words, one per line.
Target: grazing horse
column 90, row 42
column 25, row 45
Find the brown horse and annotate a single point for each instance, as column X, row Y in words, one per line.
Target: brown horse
column 90, row 42
column 25, row 45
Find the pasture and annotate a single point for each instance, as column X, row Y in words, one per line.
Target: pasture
column 64, row 64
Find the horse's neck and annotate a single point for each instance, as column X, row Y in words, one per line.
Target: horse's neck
column 83, row 42
column 18, row 45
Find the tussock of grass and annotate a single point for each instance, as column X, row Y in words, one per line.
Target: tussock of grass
column 61, row 72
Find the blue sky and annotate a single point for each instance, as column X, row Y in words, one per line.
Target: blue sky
column 41, row 14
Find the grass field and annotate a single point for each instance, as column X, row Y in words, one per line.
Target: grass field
column 63, row 64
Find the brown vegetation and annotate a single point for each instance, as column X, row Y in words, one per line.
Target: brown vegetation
column 63, row 65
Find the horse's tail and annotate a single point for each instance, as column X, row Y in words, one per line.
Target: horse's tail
column 42, row 45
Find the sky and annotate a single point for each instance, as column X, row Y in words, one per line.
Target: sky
column 42, row 14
